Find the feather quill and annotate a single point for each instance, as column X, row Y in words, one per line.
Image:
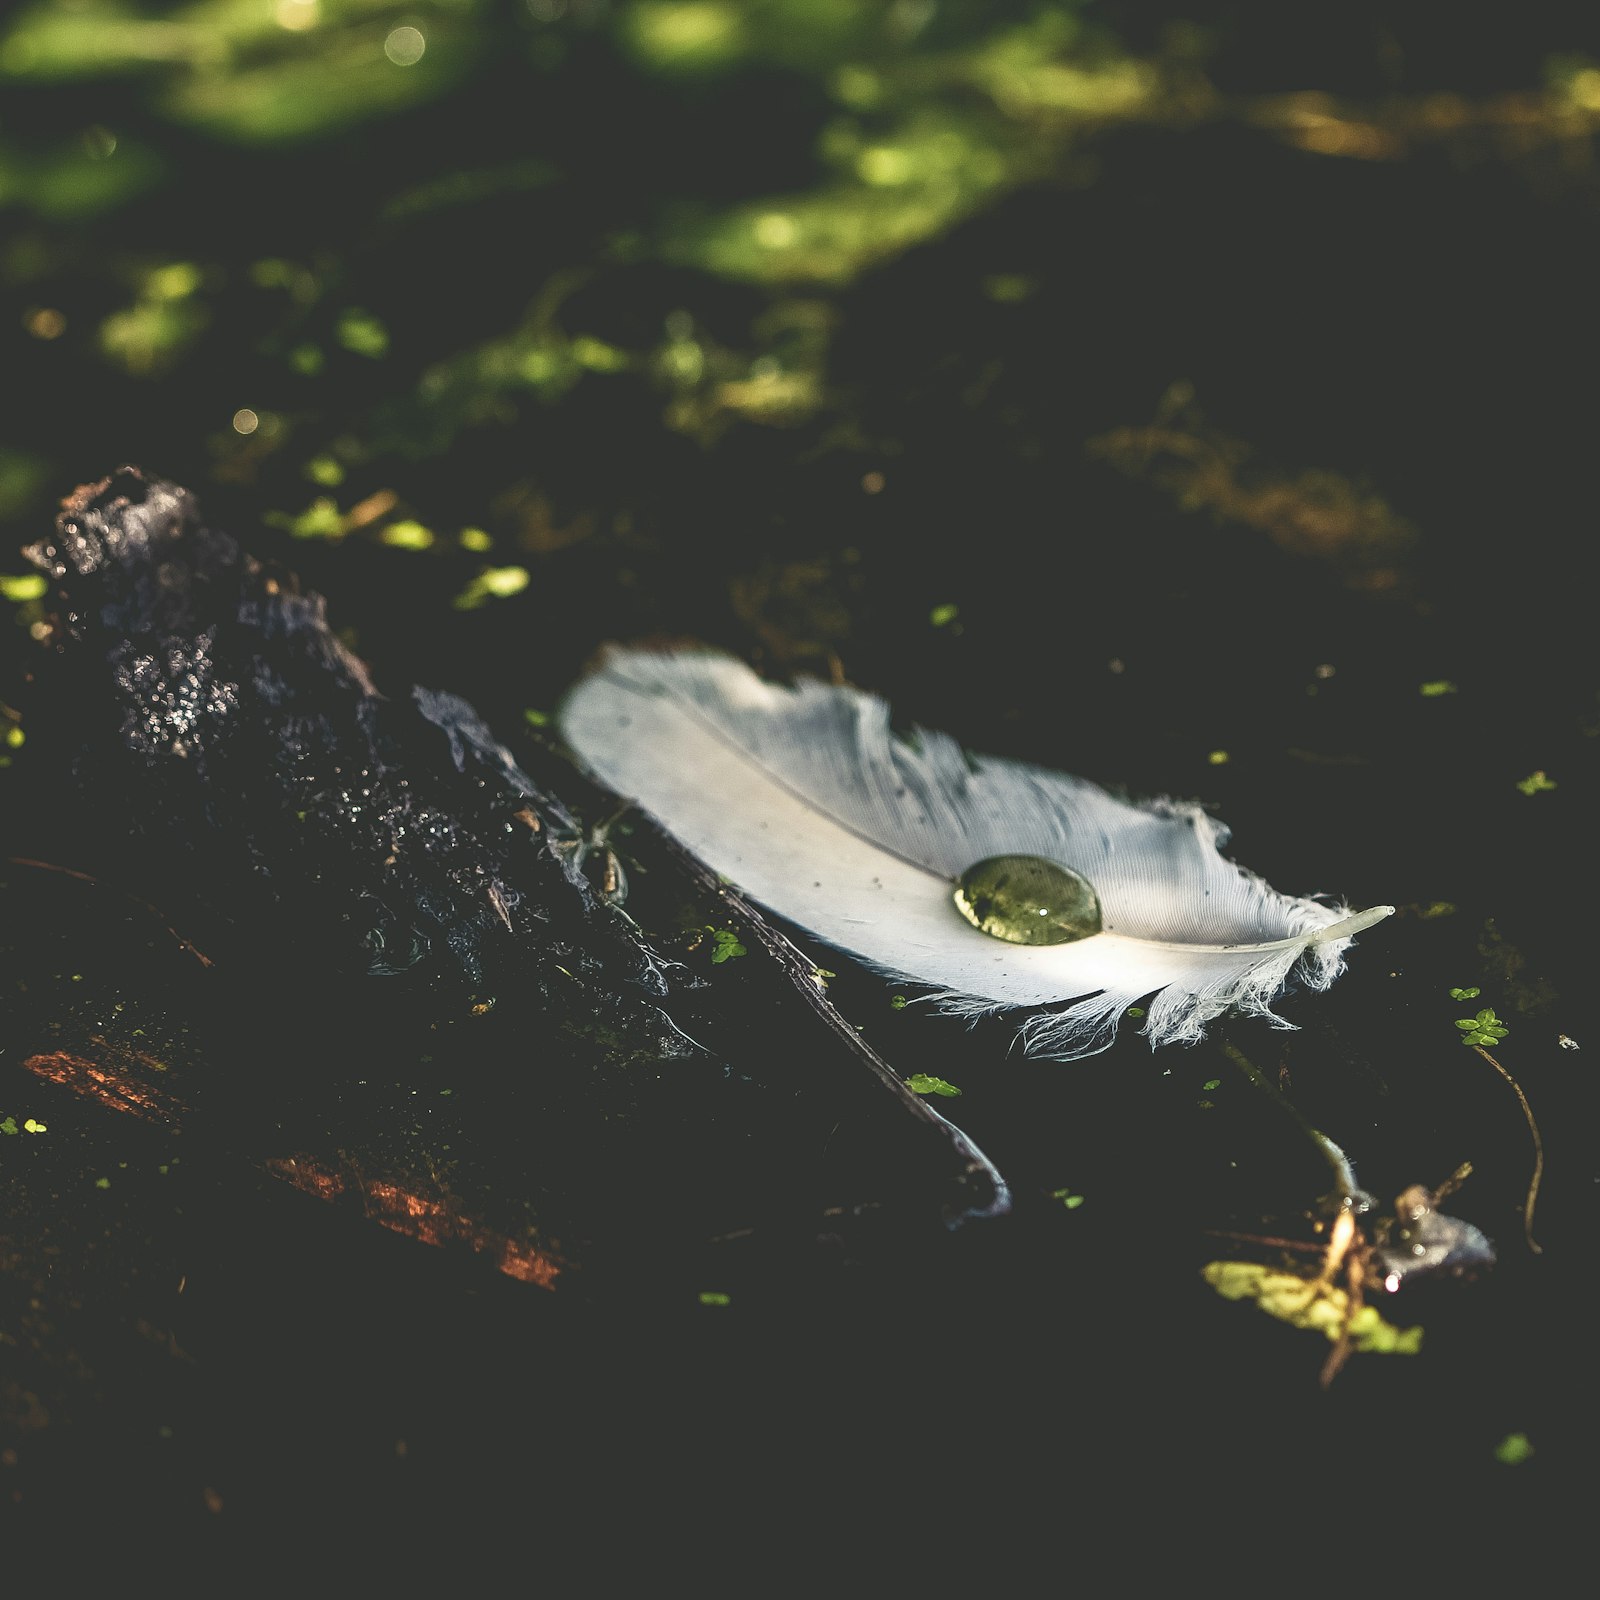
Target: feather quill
column 806, row 799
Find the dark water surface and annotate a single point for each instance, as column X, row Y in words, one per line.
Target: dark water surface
column 1257, row 467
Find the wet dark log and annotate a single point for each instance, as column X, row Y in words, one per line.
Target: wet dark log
column 200, row 736
column 214, row 726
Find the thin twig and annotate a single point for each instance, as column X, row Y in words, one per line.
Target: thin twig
column 1538, row 1150
column 84, row 877
column 1325, row 1146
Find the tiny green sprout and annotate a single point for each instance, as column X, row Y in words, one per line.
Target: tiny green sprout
column 926, row 1083
column 1483, row 1029
column 535, row 719
column 715, row 1297
column 33, row 1125
column 943, row 616
column 1070, row 1200
column 1211, row 1083
column 820, row 976
column 8, row 1125
column 897, row 1002
column 1135, row 1011
column 1535, row 783
column 1438, row 686
column 1513, row 1450
column 1465, row 994
column 102, row 1183
column 725, row 945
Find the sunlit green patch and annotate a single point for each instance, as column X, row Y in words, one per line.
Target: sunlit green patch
column 1311, row 1304
column 926, row 1083
column 22, row 586
column 492, row 583
column 322, row 519
column 891, row 193
column 408, row 535
column 684, row 35
column 80, row 179
column 166, row 317
column 363, row 334
column 305, row 84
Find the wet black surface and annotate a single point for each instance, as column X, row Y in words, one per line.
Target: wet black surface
column 210, row 1342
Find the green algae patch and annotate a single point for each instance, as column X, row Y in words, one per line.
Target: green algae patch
column 1307, row 1303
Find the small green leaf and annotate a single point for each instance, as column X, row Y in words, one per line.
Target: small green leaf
column 715, row 1297
column 1070, row 1200
column 1211, row 1083
column 926, row 1083
column 1536, row 783
column 1465, row 1022
column 1513, row 1450
column 725, row 946
column 1465, row 994
column 33, row 1125
column 943, row 616
column 1439, row 686
column 898, row 1002
column 9, row 1125
column 1135, row 1011
column 102, row 1183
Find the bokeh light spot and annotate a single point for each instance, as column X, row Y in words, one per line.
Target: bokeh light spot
column 405, row 45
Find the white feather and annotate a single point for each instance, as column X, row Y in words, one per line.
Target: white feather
column 806, row 800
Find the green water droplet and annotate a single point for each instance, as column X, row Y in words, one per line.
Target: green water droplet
column 1028, row 900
